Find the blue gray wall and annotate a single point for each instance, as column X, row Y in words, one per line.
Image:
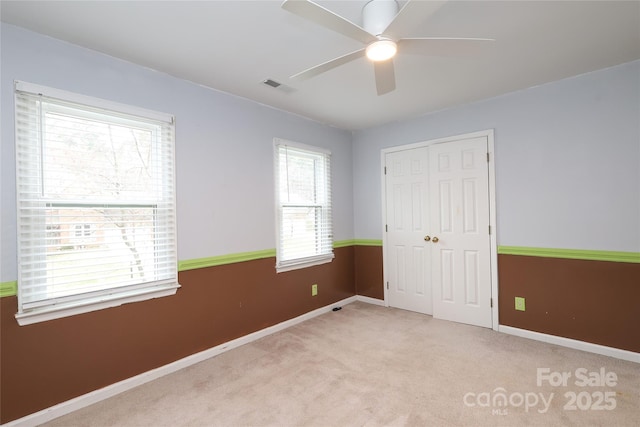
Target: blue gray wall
column 567, row 153
column 224, row 146
column 567, row 161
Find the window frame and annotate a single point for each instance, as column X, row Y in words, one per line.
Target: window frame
column 85, row 301
column 283, row 265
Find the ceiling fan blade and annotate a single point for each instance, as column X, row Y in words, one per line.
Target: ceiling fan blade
column 385, row 76
column 321, row 16
column 443, row 46
column 326, row 66
column 411, row 15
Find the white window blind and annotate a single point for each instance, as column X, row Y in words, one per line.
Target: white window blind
column 96, row 203
column 303, row 201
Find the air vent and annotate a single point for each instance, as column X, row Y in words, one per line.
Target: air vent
column 271, row 83
column 279, row 86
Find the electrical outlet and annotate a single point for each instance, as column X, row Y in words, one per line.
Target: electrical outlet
column 314, row 289
column 520, row 304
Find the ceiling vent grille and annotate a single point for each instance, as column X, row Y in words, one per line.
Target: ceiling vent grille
column 271, row 83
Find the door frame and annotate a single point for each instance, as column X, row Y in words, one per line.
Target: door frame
column 489, row 134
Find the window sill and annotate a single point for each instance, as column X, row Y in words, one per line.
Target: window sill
column 94, row 304
column 303, row 263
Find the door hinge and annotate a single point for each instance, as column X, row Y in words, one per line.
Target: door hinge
column 487, row 157
column 491, row 302
column 387, row 285
column 386, row 227
column 489, row 229
column 385, row 170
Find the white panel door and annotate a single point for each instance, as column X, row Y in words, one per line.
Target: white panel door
column 459, row 229
column 408, row 256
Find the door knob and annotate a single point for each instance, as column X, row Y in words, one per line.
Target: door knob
column 427, row 238
column 435, row 240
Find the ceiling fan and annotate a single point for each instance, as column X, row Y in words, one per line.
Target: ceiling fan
column 381, row 32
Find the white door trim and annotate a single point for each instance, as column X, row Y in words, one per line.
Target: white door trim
column 489, row 134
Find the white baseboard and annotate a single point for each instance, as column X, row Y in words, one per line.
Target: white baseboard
column 370, row 300
column 85, row 400
column 575, row 344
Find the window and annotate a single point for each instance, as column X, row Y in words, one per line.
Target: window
column 53, row 234
column 303, row 201
column 83, row 230
column 96, row 204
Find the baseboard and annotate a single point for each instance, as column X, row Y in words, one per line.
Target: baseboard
column 369, row 300
column 571, row 343
column 85, row 400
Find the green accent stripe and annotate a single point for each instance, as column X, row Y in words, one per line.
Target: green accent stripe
column 367, row 242
column 8, row 289
column 343, row 243
column 612, row 256
column 192, row 264
column 357, row 242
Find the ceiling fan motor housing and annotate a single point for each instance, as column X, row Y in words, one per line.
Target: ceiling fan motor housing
column 378, row 14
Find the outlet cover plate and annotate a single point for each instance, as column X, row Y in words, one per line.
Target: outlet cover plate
column 520, row 306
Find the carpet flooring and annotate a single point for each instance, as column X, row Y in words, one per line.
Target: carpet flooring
column 367, row 365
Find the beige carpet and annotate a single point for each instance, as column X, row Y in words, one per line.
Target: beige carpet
column 372, row 366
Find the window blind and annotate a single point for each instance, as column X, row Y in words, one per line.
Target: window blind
column 95, row 199
column 303, row 193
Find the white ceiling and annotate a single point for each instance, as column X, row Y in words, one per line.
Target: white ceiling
column 233, row 46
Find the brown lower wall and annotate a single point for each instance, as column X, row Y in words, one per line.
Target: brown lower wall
column 592, row 301
column 50, row 362
column 368, row 271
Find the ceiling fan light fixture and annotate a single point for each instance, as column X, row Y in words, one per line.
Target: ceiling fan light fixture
column 381, row 50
